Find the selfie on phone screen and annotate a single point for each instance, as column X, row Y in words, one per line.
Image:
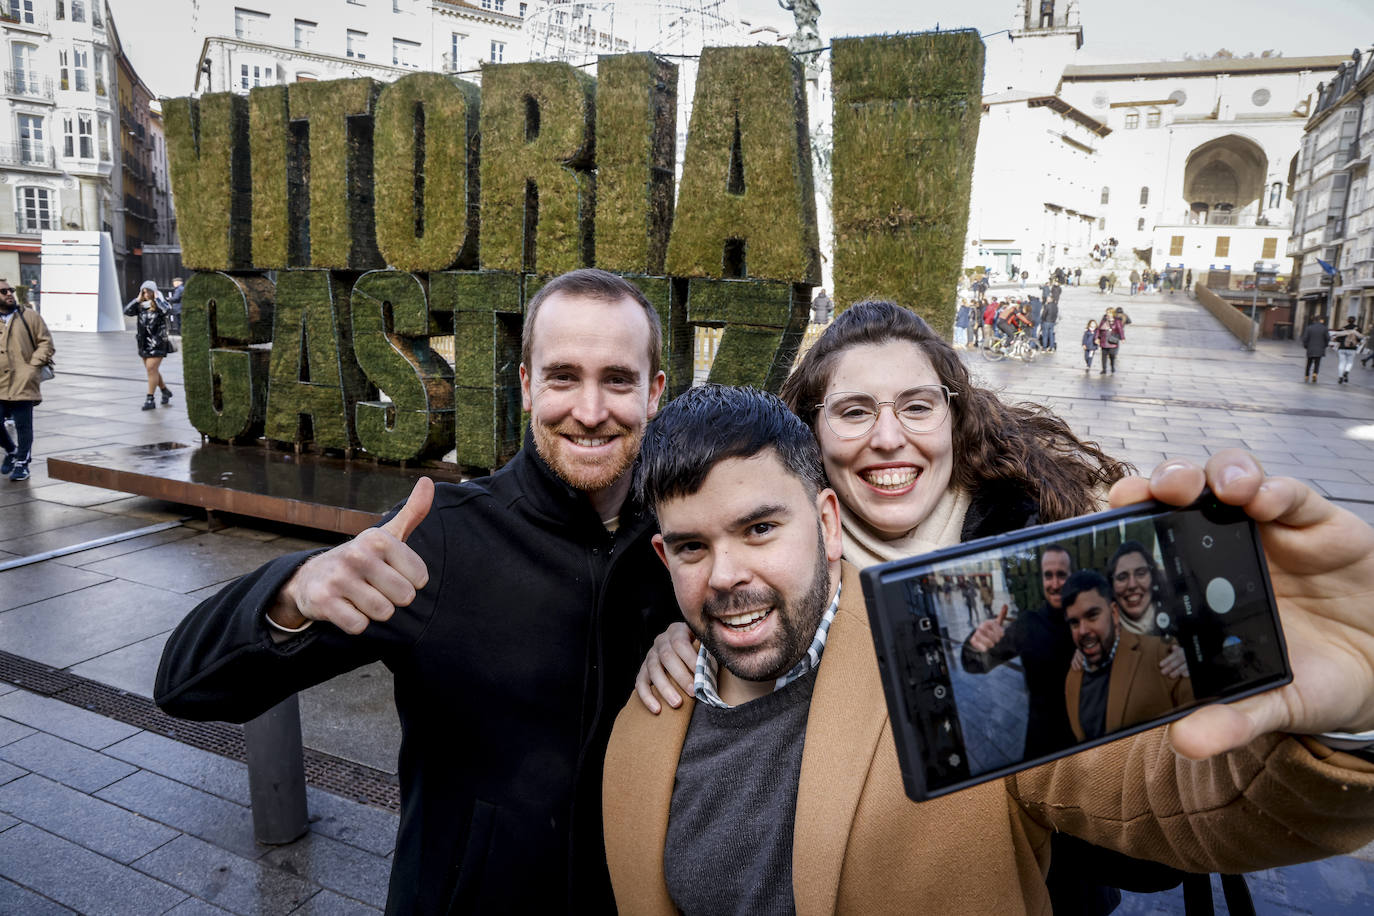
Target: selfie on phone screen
column 1035, row 646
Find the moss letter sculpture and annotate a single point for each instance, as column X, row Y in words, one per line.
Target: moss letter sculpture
column 425, row 127
column 279, row 203
column 391, row 330
column 538, row 193
column 764, row 324
column 226, row 327
column 747, row 207
column 314, row 375
column 636, row 146
column 906, row 123
column 207, row 157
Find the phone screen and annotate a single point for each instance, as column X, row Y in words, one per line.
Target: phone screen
column 1003, row 653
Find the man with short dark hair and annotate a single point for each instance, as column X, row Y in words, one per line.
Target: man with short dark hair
column 777, row 789
column 1120, row 682
column 510, row 609
column 1315, row 340
column 25, row 347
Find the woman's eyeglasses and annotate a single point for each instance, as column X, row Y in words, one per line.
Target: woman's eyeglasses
column 851, row 414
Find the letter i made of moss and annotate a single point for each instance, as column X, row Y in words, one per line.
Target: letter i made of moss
column 207, row 158
column 636, row 146
column 764, row 323
column 487, row 313
column 425, row 138
column 332, row 122
column 413, row 417
column 747, row 206
column 538, row 188
column 314, row 375
column 226, row 329
column 907, row 109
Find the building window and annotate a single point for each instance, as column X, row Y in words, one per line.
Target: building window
column 1223, row 246
column 35, row 209
column 78, row 10
column 1270, row 248
column 498, row 51
column 1102, row 222
column 104, row 138
column 249, row 25
column 1175, row 245
column 353, row 44
column 1132, row 120
column 61, row 9
column 1106, row 196
column 499, row 5
column 523, row 8
column 68, row 137
column 1140, row 225
column 86, row 135
column 455, row 51
column 1144, row 196
column 486, row 4
column 1152, row 117
column 257, row 75
column 31, row 140
column 99, row 72
column 64, row 69
column 305, row 34
column 22, row 11
column 96, row 19
column 1276, row 194
column 405, row 53
column 81, row 64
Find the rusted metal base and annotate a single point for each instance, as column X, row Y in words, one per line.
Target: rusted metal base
column 329, row 494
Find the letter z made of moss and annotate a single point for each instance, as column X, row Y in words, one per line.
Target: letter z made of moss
column 764, row 323
column 746, row 175
column 207, row 159
column 226, row 335
column 907, row 110
column 538, row 189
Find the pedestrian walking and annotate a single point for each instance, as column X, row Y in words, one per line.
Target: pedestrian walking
column 1089, row 345
column 1049, row 316
column 25, row 350
column 962, row 320
column 174, row 301
column 1110, row 333
column 1314, row 341
column 1347, row 340
column 153, row 336
column 1135, row 280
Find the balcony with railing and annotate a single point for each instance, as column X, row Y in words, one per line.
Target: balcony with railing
column 26, row 221
column 28, row 85
column 1223, row 218
column 27, row 154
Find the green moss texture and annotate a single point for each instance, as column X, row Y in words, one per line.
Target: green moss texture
column 636, row 143
column 907, row 111
column 207, row 158
column 275, row 245
column 746, row 173
column 538, row 190
column 425, row 143
column 764, row 323
column 226, row 324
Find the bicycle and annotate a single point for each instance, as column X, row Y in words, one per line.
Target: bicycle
column 1020, row 347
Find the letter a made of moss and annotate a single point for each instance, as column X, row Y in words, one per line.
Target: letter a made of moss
column 907, row 109
column 425, row 138
column 747, row 205
column 636, row 146
column 538, row 192
column 207, row 158
column 764, row 324
column 337, row 115
column 226, row 328
column 415, row 420
column 314, row 374
column 487, row 313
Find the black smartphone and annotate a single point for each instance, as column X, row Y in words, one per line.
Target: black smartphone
column 1006, row 652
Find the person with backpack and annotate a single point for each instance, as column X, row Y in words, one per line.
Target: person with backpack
column 25, row 355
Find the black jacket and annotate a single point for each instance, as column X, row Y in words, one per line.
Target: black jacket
column 154, row 325
column 510, row 666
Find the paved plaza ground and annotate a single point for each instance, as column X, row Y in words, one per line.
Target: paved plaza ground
column 102, row 812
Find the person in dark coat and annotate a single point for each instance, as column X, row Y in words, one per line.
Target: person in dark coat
column 174, row 300
column 1314, row 340
column 153, row 336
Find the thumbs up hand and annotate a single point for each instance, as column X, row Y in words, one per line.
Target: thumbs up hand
column 362, row 580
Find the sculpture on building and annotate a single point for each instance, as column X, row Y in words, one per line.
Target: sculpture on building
column 806, row 40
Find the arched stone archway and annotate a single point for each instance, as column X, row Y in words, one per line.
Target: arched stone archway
column 1224, row 177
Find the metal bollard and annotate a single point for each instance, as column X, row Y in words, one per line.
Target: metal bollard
column 276, row 773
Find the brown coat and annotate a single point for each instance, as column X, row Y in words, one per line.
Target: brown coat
column 860, row 846
column 1136, row 690
column 20, row 360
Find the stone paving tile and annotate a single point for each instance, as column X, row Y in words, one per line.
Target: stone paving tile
column 97, row 825
column 358, row 825
column 11, row 730
column 72, row 628
column 337, row 866
column 65, row 721
column 24, row 520
column 29, row 584
column 99, row 526
column 188, row 810
column 76, row 494
column 15, row 899
column 193, row 907
column 9, row 772
column 132, row 668
column 6, row 822
column 78, row 878
column 124, row 548
column 193, row 563
column 327, row 903
column 219, row 877
column 191, row 766
column 68, row 763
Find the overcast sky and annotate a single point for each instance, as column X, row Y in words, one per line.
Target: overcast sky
column 156, row 33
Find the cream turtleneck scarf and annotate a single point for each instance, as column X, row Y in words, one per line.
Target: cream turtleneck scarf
column 941, row 528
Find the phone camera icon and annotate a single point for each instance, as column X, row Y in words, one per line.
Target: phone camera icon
column 1207, row 540
column 940, row 692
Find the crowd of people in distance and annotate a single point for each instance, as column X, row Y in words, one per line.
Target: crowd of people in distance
column 1349, row 342
column 1103, row 250
column 981, row 318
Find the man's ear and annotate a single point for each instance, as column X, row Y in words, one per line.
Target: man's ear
column 656, row 386
column 828, row 508
column 525, row 400
column 660, row 549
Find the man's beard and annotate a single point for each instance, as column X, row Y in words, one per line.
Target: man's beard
column 796, row 624
column 7, row 306
column 587, row 476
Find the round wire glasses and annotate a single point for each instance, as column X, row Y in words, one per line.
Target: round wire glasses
column 851, row 414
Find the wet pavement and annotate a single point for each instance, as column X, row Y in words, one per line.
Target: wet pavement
column 101, row 816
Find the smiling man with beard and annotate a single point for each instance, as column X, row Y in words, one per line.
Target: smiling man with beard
column 510, row 609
